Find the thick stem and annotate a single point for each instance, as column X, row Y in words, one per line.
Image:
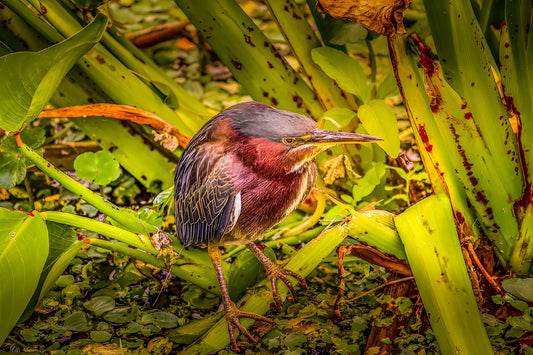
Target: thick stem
column 130, row 221
column 185, row 270
column 136, row 240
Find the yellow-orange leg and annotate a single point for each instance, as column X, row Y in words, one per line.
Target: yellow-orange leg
column 232, row 312
column 275, row 272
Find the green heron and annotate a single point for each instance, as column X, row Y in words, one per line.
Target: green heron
column 241, row 174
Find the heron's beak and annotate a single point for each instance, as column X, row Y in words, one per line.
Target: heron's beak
column 322, row 138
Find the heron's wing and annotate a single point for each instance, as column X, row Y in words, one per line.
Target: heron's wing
column 206, row 204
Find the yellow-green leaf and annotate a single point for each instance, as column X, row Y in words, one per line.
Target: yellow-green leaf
column 379, row 120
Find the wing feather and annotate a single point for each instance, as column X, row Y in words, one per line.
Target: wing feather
column 204, row 195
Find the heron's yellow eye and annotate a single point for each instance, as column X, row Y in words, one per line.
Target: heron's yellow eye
column 289, row 140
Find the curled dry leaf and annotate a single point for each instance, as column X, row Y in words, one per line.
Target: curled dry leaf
column 337, row 168
column 382, row 16
column 170, row 137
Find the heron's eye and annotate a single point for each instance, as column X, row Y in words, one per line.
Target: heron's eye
column 289, row 140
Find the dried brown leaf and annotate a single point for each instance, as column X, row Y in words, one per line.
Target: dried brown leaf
column 169, row 135
column 382, row 16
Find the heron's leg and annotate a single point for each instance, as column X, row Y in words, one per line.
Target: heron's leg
column 232, row 312
column 274, row 272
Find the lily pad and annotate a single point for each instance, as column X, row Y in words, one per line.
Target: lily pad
column 100, row 167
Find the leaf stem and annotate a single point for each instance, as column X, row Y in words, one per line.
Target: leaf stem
column 205, row 280
column 30, row 192
column 130, row 221
column 136, row 240
column 372, row 57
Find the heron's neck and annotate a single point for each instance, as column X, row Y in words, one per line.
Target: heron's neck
column 271, row 159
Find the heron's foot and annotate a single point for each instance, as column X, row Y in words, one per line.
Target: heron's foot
column 232, row 317
column 274, row 273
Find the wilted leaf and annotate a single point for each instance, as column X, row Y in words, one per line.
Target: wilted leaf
column 100, row 167
column 382, row 16
column 336, row 168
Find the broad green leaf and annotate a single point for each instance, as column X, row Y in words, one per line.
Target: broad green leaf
column 345, row 70
column 341, row 32
column 341, row 115
column 63, row 246
column 12, row 165
column 193, row 330
column 30, row 78
column 388, row 87
column 165, row 319
column 100, row 336
column 246, row 270
column 77, row 322
column 428, row 232
column 200, row 298
column 521, row 288
column 23, row 252
column 379, row 120
column 368, row 182
column 100, row 304
column 100, row 167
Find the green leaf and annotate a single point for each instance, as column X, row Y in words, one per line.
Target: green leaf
column 294, row 340
column 368, row 183
column 165, row 319
column 122, row 315
column 100, row 167
column 341, row 32
column 193, row 330
column 30, row 78
column 341, row 115
column 428, row 232
column 379, row 120
column 23, row 252
column 521, row 288
column 246, row 270
column 100, row 336
column 164, row 197
column 200, row 298
column 388, row 87
column 77, row 322
column 100, row 304
column 63, row 247
column 345, row 70
column 12, row 165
